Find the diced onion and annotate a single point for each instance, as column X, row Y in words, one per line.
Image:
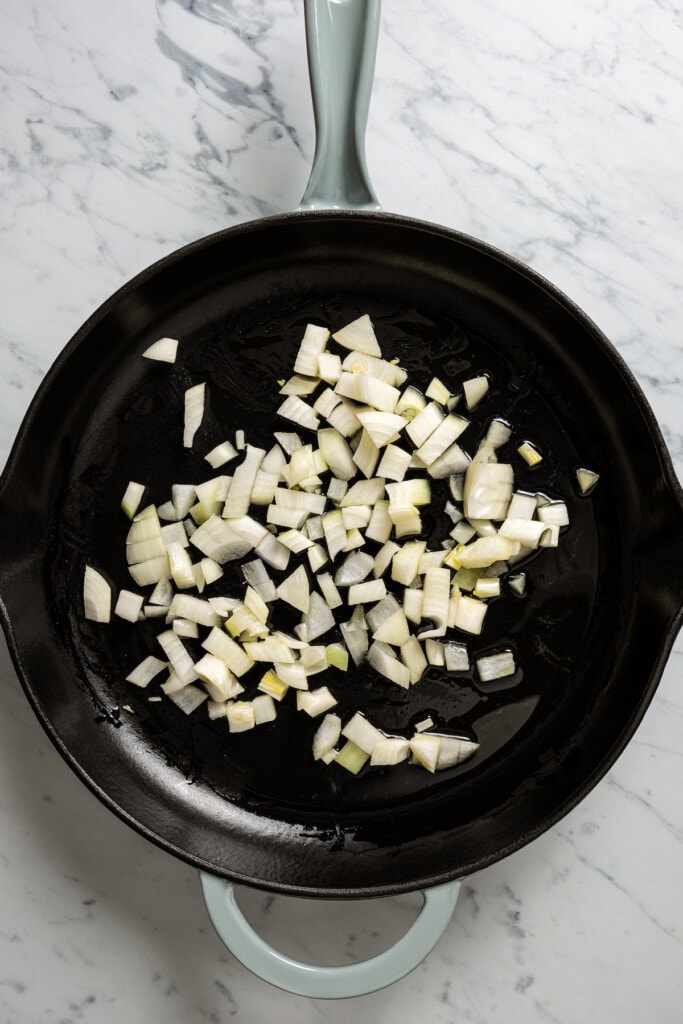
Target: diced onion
column 164, row 350
column 194, row 412
column 496, row 666
column 96, row 596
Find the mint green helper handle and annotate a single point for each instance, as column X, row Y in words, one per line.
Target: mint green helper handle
column 328, row 982
column 341, row 37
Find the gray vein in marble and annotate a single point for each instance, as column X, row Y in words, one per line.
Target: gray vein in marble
column 633, row 797
column 583, row 858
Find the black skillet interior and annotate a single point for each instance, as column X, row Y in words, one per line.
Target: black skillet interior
column 590, row 636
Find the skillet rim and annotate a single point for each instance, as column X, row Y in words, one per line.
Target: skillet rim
column 538, row 281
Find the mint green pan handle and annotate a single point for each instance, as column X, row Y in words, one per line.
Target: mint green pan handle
column 328, row 982
column 341, row 37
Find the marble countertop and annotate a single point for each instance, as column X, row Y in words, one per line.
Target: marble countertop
column 554, row 131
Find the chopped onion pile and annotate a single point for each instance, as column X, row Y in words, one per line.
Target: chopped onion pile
column 329, row 526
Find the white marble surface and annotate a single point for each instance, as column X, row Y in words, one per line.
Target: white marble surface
column 554, row 131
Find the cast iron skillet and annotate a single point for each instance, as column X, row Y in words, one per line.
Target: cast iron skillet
column 592, row 636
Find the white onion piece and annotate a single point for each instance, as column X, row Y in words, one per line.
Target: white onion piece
column 436, row 600
column 335, row 532
column 442, row 438
column 394, row 463
column 366, row 455
column 295, row 541
column 356, row 517
column 329, row 590
column 383, row 558
column 361, row 732
column 474, row 390
column 329, row 367
column 326, row 736
column 312, row 344
column 354, row 539
column 438, row 391
column 390, row 750
column 414, row 658
column 221, row 454
column 128, row 605
column 412, row 605
column 485, row 588
column 143, row 674
column 220, row 644
column 264, row 709
column 292, row 518
column 456, row 657
column 390, row 373
column 216, row 709
column 182, row 496
column 186, row 629
column 162, row 593
column 522, row 506
column 496, row 666
column 185, row 606
column 240, row 715
column 406, row 562
column 361, row 387
column 256, row 575
column 359, row 336
column 164, row 350
column 167, row 511
column 425, row 749
column 354, row 569
column 343, row 418
column 453, row 461
column 497, row 434
column 295, row 409
column 488, row 490
column 188, row 698
column 300, row 385
column 394, row 630
column 96, row 596
column 527, row 532
column 317, row 557
column 315, row 702
column 361, row 593
column 356, row 640
column 586, row 479
column 255, row 603
column 425, row 423
column 382, row 427
column 336, row 452
column 215, row 674
column 380, row 525
column 482, row 552
column 319, row 619
column 194, row 412
column 174, row 533
column 469, row 614
column 178, row 656
column 551, row 537
column 454, row 750
column 295, row 590
column 554, row 514
column 410, row 403
column 132, row 498
column 336, row 491
column 389, row 667
column 435, row 653
column 530, row 453
column 275, row 554
column 239, row 496
column 151, row 571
